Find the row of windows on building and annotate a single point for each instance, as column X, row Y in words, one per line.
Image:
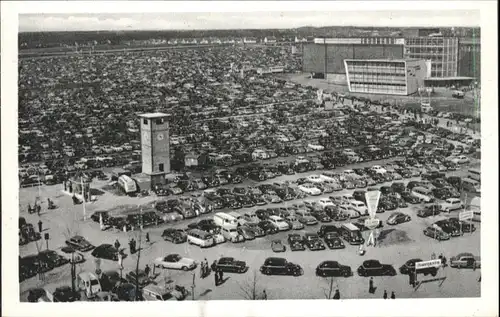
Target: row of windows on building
column 434, row 41
column 378, row 40
column 371, row 70
column 378, row 88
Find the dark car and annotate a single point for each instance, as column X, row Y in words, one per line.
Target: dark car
column 397, row 218
column 262, row 214
column 410, row 198
column 126, row 292
column 359, row 195
column 106, row 251
column 313, row 242
column 455, row 181
column 96, row 216
column 296, row 242
column 65, row 294
column 398, row 187
column 268, row 227
column 35, row 294
column 280, row 266
column 52, row 259
column 446, row 226
column 321, row 216
column 174, row 235
column 464, row 226
column 333, row 240
column 441, row 193
column 333, row 268
column 428, row 211
column 436, row 233
column 140, row 278
column 230, row 265
column 30, row 266
column 375, row 268
column 109, row 279
column 324, row 229
column 79, row 243
column 409, row 268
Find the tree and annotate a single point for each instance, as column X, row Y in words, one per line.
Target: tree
column 250, row 289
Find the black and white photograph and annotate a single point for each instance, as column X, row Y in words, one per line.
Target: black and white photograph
column 252, row 155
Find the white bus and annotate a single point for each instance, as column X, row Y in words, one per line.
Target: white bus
column 475, row 174
column 127, row 184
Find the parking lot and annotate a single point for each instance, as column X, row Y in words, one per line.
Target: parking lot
column 247, row 130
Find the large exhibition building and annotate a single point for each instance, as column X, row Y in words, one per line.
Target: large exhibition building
column 386, row 76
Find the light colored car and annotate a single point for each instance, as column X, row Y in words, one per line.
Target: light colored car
column 359, row 206
column 460, row 159
column 397, row 218
column 310, row 189
column 451, row 204
column 175, row 261
column 272, row 197
column 378, row 169
column 315, row 179
column 326, row 202
column 279, row 222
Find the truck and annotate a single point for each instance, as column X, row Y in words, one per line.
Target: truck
column 465, row 260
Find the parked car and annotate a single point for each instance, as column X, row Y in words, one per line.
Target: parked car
column 313, row 242
column 397, row 218
column 451, row 204
column 375, row 268
column 231, row 265
column 333, row 268
column 277, row 246
column 427, row 211
column 333, row 240
column 409, row 268
column 446, row 226
column 174, row 235
column 140, row 278
column 436, row 233
column 280, row 266
column 106, row 251
column 175, row 261
column 464, row 226
column 465, row 260
column 296, row 242
column 52, row 259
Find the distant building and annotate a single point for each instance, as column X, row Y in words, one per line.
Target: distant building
column 386, row 76
column 469, row 58
column 442, row 51
column 428, row 32
column 249, row 40
column 270, row 40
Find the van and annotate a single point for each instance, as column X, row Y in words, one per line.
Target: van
column 200, row 238
column 89, row 283
column 471, row 185
column 423, row 193
column 127, row 184
column 351, row 234
column 224, row 220
column 156, row 293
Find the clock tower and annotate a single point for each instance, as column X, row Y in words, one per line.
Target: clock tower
column 155, row 146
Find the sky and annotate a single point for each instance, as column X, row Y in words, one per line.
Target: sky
column 243, row 20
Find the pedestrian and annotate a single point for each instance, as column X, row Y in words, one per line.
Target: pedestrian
column 147, row 270
column 117, row 245
column 264, row 295
column 474, row 266
column 202, row 269
column 29, row 208
column 38, row 209
column 371, row 289
column 412, row 279
column 207, row 267
column 216, row 276
column 385, row 294
column 393, row 296
column 337, row 294
column 134, row 245
column 221, row 276
column 40, row 226
column 433, row 256
column 147, row 237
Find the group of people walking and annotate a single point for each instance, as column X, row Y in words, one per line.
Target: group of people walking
column 372, row 289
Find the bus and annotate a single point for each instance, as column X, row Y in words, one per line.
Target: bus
column 127, row 184
column 475, row 174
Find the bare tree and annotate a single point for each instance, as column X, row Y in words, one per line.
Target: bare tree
column 250, row 289
column 328, row 291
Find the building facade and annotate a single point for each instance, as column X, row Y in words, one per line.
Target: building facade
column 469, row 58
column 442, row 51
column 386, row 76
column 327, row 55
column 155, row 146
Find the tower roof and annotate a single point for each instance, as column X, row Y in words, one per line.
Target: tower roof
column 153, row 115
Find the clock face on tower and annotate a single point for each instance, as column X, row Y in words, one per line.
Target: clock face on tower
column 159, row 136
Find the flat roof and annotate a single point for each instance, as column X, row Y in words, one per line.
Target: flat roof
column 153, row 115
column 449, row 78
column 387, row 60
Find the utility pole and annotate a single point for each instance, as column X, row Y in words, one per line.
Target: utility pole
column 138, row 259
column 193, row 285
column 83, row 197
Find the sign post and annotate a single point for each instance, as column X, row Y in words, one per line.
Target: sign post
column 372, row 198
column 427, row 264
